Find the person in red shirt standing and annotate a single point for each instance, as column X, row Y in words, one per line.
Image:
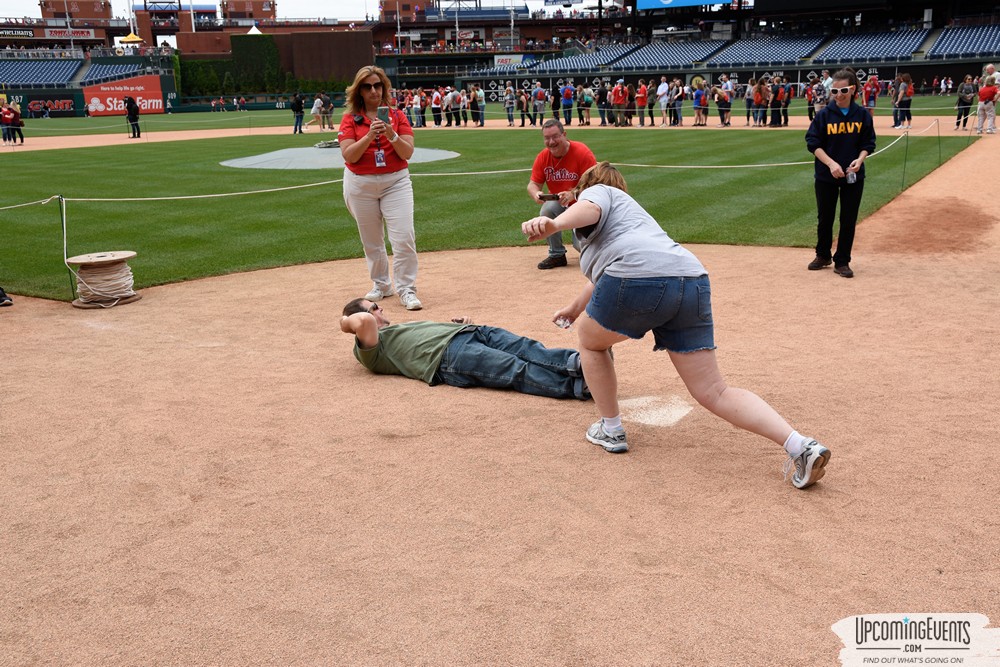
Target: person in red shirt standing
column 377, row 187
column 619, row 97
column 558, row 168
column 988, row 96
column 641, row 98
column 871, row 91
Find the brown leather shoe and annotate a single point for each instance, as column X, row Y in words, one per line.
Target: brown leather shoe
column 844, row 270
column 552, row 261
column 819, row 263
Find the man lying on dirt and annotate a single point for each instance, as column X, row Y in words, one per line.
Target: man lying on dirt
column 461, row 354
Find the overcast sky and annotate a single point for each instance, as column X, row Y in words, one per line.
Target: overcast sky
column 339, row 9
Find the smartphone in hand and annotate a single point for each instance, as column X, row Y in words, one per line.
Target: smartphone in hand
column 383, row 114
column 545, row 196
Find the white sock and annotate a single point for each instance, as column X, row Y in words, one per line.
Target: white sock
column 612, row 424
column 795, row 443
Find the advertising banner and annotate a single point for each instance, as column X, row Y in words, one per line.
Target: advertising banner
column 505, row 33
column 512, row 59
column 46, row 104
column 17, row 32
column 63, row 33
column 106, row 99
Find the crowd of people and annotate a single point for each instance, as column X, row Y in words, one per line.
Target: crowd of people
column 670, row 102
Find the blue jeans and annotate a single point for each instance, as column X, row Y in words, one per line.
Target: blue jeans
column 494, row 357
column 677, row 310
column 568, row 114
column 553, row 209
column 298, row 123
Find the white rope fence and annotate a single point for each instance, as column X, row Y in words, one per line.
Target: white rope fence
column 107, row 285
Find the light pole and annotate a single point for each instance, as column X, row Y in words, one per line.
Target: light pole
column 512, row 26
column 399, row 38
column 456, row 26
column 69, row 28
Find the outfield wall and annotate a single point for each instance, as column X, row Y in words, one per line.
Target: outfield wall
column 151, row 91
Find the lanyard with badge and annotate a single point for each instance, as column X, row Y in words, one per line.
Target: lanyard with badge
column 382, row 115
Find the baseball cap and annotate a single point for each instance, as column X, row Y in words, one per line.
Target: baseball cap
column 621, row 80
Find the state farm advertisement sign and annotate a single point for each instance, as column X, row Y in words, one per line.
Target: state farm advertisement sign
column 107, row 99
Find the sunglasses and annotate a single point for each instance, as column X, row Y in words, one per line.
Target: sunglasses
column 841, row 91
column 374, row 307
column 365, row 87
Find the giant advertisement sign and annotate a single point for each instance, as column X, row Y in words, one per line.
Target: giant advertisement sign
column 46, row 104
column 106, row 99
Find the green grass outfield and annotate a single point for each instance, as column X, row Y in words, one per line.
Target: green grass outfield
column 455, row 207
column 53, row 127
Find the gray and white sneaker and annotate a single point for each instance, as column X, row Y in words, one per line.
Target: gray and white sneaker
column 809, row 466
column 377, row 294
column 410, row 301
column 611, row 442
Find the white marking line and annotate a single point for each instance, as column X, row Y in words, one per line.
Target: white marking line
column 655, row 410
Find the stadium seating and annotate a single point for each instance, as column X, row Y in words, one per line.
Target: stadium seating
column 872, row 47
column 99, row 71
column 663, row 55
column 981, row 41
column 38, row 73
column 766, row 52
column 589, row 62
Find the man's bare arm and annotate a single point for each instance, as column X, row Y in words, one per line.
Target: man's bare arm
column 362, row 325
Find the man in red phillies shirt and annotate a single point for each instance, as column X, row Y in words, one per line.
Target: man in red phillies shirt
column 558, row 168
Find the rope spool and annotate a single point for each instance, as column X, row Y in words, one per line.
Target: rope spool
column 104, row 279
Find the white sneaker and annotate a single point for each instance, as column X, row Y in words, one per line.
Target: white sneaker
column 808, row 467
column 614, row 443
column 377, row 294
column 410, row 301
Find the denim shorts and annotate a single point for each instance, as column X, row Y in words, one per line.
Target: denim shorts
column 677, row 310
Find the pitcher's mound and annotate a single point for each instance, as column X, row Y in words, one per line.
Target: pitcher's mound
column 320, row 158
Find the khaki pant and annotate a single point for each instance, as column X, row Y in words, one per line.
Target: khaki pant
column 986, row 111
column 383, row 203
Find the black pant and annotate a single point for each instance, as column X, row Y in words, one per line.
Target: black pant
column 963, row 113
column 134, row 125
column 776, row 115
column 826, row 203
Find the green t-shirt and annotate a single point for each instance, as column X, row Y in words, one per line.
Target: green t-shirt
column 411, row 349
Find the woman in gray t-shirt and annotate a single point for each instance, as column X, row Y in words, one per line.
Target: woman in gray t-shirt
column 641, row 280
